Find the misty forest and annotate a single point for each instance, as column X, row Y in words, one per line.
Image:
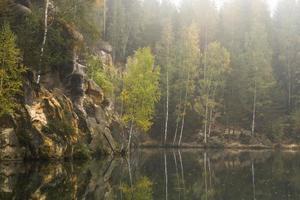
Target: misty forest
column 150, row 99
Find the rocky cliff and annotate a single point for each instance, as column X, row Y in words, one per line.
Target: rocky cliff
column 66, row 115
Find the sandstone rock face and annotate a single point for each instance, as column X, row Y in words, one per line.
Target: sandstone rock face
column 50, row 127
column 65, row 110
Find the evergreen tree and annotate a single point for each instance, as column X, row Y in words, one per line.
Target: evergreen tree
column 10, row 71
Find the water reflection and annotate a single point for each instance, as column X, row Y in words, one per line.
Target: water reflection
column 159, row 174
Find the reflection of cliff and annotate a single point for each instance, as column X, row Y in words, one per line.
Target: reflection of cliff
column 89, row 180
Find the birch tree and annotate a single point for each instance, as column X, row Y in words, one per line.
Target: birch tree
column 257, row 58
column 190, row 54
column 164, row 51
column 216, row 66
column 44, row 38
column 141, row 91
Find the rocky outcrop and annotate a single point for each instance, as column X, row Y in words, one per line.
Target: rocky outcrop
column 66, row 115
column 50, row 127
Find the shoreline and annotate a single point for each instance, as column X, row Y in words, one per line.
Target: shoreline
column 233, row 146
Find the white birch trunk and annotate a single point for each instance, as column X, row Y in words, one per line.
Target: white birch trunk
column 167, row 110
column 177, row 122
column 205, row 122
column 104, row 17
column 182, row 125
column 184, row 110
column 210, row 121
column 176, row 130
column 254, row 108
column 289, row 86
column 130, row 136
column 204, row 76
column 44, row 39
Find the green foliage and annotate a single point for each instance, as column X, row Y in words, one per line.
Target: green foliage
column 86, row 16
column 277, row 129
column 141, row 89
column 216, row 60
column 10, row 71
column 97, row 73
column 141, row 190
column 62, row 127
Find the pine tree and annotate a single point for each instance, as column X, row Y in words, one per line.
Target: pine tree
column 10, row 70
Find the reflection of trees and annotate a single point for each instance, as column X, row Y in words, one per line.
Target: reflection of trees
column 141, row 190
column 253, row 180
column 183, row 175
column 179, row 183
column 166, row 174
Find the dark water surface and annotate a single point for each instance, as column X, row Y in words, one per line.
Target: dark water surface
column 159, row 175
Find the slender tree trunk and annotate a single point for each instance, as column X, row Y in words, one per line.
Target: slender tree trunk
column 104, row 17
column 205, row 122
column 44, row 39
column 130, row 136
column 181, row 129
column 210, row 121
column 177, row 121
column 254, row 108
column 184, row 109
column 289, row 87
column 176, row 130
column 167, row 109
column 205, row 76
column 211, row 112
column 166, row 174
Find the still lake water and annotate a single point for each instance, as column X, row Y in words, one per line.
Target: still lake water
column 159, row 175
